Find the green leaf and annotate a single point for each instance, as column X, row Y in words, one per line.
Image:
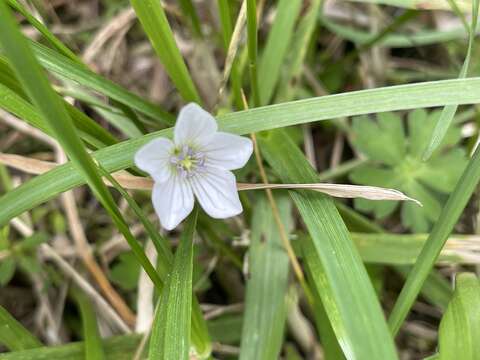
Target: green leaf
column 347, row 293
column 14, row 335
column 438, row 236
column 93, row 341
column 275, row 50
column 120, row 156
column 396, row 163
column 265, row 302
column 116, row 348
column 297, row 52
column 125, row 271
column 448, row 112
column 460, row 326
column 170, row 337
column 7, row 270
column 155, row 23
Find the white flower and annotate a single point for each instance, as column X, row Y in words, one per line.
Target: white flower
column 197, row 162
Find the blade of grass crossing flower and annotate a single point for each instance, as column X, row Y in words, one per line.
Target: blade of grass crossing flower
column 276, row 48
column 120, row 156
column 441, row 230
column 200, row 337
column 116, row 348
column 460, row 326
column 69, row 69
column 93, row 341
column 347, row 293
column 170, row 337
column 47, row 34
column 298, row 49
column 446, row 117
column 265, row 303
column 54, row 113
column 14, row 335
column 155, row 23
column 252, row 42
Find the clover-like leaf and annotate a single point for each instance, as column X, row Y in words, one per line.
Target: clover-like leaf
column 396, row 162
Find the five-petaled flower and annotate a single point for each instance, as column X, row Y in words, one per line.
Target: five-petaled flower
column 196, row 163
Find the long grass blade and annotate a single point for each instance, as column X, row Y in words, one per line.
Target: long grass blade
column 443, row 227
column 93, row 341
column 120, row 156
column 171, row 328
column 155, row 23
column 276, row 47
column 446, row 117
column 347, row 293
column 14, row 335
column 460, row 326
column 265, row 303
column 252, row 42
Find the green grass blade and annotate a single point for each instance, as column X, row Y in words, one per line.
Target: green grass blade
column 93, row 340
column 446, row 117
column 189, row 9
column 298, row 50
column 69, row 69
column 460, row 326
column 347, row 293
column 14, row 335
column 403, row 249
column 120, row 156
column 200, row 336
column 436, row 289
column 265, row 303
column 116, row 348
column 47, row 34
column 275, row 50
column 443, row 227
column 170, row 337
column 155, row 23
column 13, row 100
column 252, row 42
column 54, row 113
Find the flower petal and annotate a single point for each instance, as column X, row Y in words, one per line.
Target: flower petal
column 194, row 126
column 216, row 190
column 154, row 158
column 173, row 201
column 228, row 151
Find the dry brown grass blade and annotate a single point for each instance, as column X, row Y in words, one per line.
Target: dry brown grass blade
column 131, row 182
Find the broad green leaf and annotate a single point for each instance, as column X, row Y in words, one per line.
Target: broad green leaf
column 116, row 348
column 265, row 302
column 347, row 293
column 170, row 337
column 155, row 23
column 438, row 236
column 275, row 50
column 14, row 335
column 125, row 271
column 93, row 341
column 460, row 326
column 120, row 156
column 7, row 270
column 448, row 112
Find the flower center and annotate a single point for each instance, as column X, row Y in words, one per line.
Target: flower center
column 187, row 161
